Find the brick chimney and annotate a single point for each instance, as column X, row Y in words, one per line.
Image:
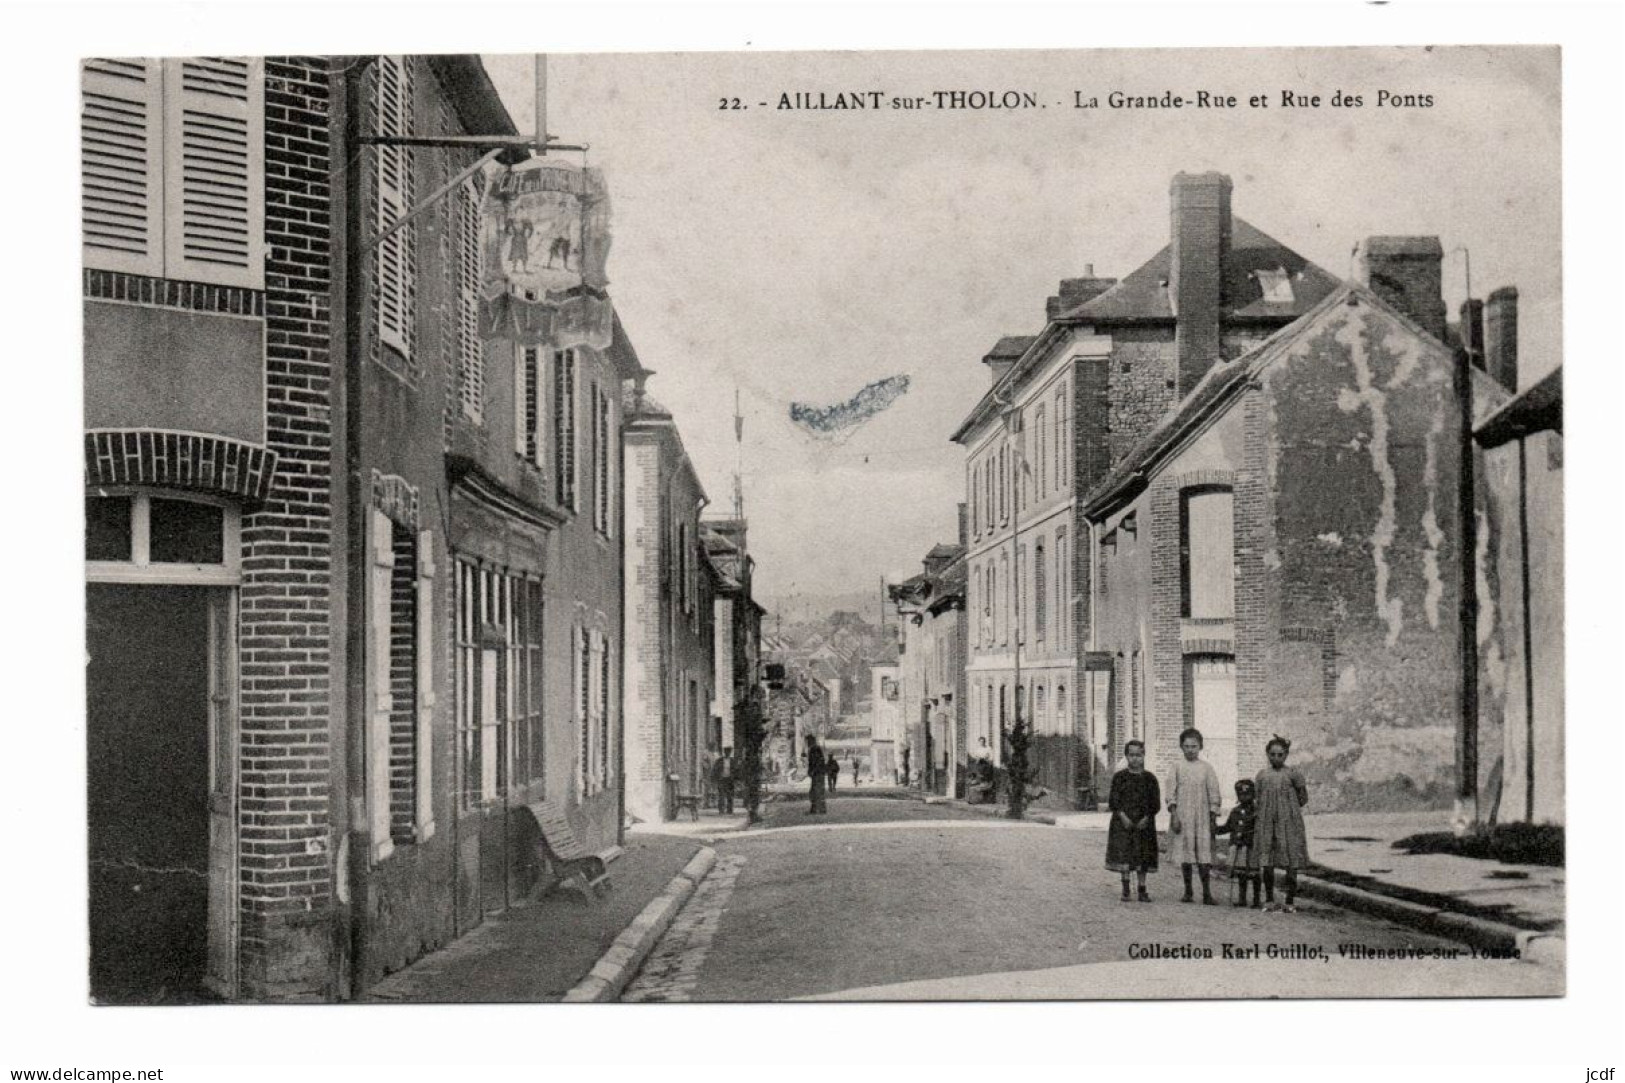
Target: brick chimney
column 1472, row 331
column 1074, row 292
column 1407, row 272
column 1501, row 336
column 1200, row 206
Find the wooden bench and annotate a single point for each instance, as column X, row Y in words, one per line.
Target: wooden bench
column 561, row 853
column 690, row 802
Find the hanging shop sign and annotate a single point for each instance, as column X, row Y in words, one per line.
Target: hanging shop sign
column 545, row 241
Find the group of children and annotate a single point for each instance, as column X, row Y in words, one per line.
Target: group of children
column 1265, row 827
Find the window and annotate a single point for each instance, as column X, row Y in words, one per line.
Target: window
column 592, row 711
column 564, row 426
column 147, row 537
column 1207, row 554
column 1024, row 605
column 602, row 489
column 1003, row 614
column 400, row 615
column 498, row 643
column 1004, row 479
column 975, row 502
column 1040, row 719
column 527, row 405
column 1063, row 591
column 1042, row 441
column 172, row 168
column 1040, row 594
column 1276, row 286
column 397, row 255
column 470, row 350
column 1063, row 453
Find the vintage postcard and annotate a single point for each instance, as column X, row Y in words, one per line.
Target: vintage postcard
column 761, row 526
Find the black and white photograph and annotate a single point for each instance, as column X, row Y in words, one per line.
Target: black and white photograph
column 765, row 524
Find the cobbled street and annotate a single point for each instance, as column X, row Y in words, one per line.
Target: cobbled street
column 894, row 899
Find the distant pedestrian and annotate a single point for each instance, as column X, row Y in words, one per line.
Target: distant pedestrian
column 1193, row 804
column 722, row 773
column 854, row 770
column 1279, row 837
column 1240, row 825
column 1131, row 839
column 834, row 769
column 817, row 772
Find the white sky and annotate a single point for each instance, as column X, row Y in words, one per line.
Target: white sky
column 801, row 255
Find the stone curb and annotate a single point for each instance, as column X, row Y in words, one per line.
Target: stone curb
column 609, row 977
column 1478, row 932
column 997, row 812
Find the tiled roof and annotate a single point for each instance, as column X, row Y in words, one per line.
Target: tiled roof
column 1143, row 295
column 1010, row 347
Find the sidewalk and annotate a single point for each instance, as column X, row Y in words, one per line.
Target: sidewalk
column 1356, row 866
column 537, row 953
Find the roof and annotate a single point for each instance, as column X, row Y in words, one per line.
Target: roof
column 1222, row 382
column 623, row 353
column 1143, row 295
column 479, row 106
column 1010, row 347
column 1536, row 409
column 943, row 551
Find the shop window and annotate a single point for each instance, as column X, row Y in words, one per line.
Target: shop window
column 500, row 738
column 107, row 528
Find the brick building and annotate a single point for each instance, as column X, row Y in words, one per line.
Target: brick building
column 383, row 551
column 1113, row 358
column 669, row 672
column 214, row 513
column 1283, row 553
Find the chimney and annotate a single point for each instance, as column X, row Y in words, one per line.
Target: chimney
column 964, row 531
column 1075, row 292
column 1200, row 204
column 999, row 366
column 1501, row 336
column 1407, row 273
column 1472, row 331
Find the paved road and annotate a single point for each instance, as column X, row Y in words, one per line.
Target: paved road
column 887, row 899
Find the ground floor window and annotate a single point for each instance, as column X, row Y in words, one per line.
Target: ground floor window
column 498, row 644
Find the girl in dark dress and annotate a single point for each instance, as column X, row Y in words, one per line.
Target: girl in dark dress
column 1131, row 840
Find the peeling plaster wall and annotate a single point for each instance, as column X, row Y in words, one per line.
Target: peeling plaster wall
column 1362, row 464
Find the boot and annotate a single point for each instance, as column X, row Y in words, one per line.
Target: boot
column 1125, row 889
column 1185, row 870
column 1144, row 896
column 1207, row 888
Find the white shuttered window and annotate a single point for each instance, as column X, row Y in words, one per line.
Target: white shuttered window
column 396, row 255
column 172, row 168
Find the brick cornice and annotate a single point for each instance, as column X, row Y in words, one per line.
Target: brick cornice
column 178, row 460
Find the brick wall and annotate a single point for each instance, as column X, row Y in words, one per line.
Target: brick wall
column 1141, row 388
column 285, row 859
column 644, row 692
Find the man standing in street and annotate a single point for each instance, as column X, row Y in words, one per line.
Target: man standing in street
column 816, row 772
column 834, row 773
column 722, row 773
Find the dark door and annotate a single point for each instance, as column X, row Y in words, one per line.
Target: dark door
column 147, row 723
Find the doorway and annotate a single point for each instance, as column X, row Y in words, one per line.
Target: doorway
column 161, row 781
column 1211, row 681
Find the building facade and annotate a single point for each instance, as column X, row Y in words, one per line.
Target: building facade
column 670, row 671
column 1113, row 358
column 1284, row 555
column 388, row 547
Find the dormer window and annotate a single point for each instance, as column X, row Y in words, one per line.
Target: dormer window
column 1276, row 286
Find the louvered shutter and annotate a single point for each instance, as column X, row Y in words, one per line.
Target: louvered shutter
column 470, row 350
column 423, row 783
column 395, row 255
column 214, row 167
column 121, row 165
column 382, row 703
